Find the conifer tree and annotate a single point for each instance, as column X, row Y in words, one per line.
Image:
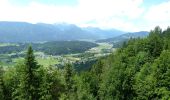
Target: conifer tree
column 1, row 84
column 28, row 88
column 68, row 75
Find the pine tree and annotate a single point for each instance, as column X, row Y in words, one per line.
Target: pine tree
column 161, row 71
column 96, row 78
column 1, row 84
column 28, row 88
column 68, row 75
column 45, row 86
column 155, row 42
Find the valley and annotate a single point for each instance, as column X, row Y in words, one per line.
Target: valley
column 88, row 70
column 84, row 50
column 10, row 57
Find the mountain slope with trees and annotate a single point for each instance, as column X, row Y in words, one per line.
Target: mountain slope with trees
column 139, row 70
column 50, row 48
column 119, row 40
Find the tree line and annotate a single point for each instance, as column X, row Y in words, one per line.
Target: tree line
column 50, row 48
column 139, row 70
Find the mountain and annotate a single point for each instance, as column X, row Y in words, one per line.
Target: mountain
column 118, row 40
column 104, row 34
column 27, row 32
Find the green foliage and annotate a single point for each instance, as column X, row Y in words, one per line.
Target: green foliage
column 140, row 70
column 50, row 48
column 2, row 95
column 68, row 81
column 50, row 87
column 155, row 43
column 84, row 85
column 28, row 87
column 161, row 73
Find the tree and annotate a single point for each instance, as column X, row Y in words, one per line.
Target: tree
column 84, row 86
column 28, row 88
column 68, row 74
column 2, row 96
column 51, row 86
column 144, row 84
column 96, row 78
column 155, row 42
column 68, row 80
column 161, row 73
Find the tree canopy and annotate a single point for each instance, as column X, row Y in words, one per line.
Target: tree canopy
column 139, row 70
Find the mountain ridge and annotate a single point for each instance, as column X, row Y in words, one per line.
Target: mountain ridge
column 28, row 32
column 119, row 40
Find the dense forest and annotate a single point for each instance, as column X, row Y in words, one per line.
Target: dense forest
column 139, row 70
column 50, row 48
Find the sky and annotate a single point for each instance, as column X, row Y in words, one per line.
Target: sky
column 125, row 15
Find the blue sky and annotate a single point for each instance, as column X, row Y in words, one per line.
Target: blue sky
column 74, row 2
column 126, row 15
column 47, row 2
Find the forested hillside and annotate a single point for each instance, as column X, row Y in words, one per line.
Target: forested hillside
column 119, row 40
column 139, row 70
column 50, row 48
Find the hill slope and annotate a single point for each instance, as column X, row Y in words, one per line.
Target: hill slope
column 51, row 48
column 138, row 71
column 118, row 40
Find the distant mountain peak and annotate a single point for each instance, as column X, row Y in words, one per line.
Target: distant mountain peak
column 28, row 32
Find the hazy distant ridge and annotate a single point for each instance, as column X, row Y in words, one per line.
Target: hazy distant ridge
column 27, row 32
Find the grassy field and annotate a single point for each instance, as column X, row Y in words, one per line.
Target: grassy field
column 100, row 48
column 41, row 58
column 49, row 61
column 7, row 44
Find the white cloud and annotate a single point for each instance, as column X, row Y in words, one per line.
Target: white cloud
column 106, row 13
column 158, row 15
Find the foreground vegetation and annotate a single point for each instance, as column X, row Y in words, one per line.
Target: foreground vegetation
column 140, row 70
